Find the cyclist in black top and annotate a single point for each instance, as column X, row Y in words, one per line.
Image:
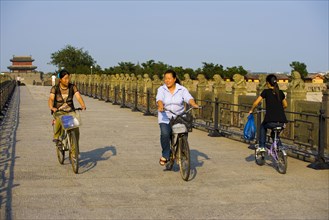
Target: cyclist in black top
column 275, row 105
column 61, row 98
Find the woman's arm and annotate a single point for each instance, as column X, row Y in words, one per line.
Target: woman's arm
column 51, row 102
column 160, row 106
column 80, row 100
column 255, row 104
column 193, row 104
column 284, row 103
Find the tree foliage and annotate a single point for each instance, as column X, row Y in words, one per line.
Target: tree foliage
column 75, row 60
column 299, row 67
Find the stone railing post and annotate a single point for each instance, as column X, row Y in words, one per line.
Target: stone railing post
column 293, row 95
column 325, row 108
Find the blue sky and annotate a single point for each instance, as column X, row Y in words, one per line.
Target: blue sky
column 258, row 35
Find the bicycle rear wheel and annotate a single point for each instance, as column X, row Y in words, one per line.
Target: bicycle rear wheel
column 184, row 157
column 74, row 151
column 281, row 161
column 259, row 157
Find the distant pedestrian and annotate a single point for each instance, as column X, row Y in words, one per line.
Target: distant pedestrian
column 18, row 80
column 53, row 80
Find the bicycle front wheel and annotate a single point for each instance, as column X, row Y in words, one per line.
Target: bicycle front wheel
column 184, row 157
column 282, row 161
column 259, row 157
column 74, row 151
column 60, row 154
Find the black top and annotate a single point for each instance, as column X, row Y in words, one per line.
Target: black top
column 64, row 97
column 274, row 108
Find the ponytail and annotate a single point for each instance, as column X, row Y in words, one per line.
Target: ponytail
column 273, row 81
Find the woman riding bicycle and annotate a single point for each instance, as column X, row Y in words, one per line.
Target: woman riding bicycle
column 170, row 96
column 275, row 105
column 61, row 98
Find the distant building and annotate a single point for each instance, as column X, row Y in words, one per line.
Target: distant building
column 282, row 78
column 250, row 77
column 22, row 64
column 314, row 78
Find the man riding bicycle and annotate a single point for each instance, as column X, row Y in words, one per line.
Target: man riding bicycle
column 61, row 98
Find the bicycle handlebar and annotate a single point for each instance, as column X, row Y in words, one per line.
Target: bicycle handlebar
column 72, row 110
column 184, row 112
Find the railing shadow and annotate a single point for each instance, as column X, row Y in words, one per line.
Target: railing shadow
column 8, row 128
column 89, row 159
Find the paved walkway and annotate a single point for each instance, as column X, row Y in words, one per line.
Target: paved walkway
column 120, row 177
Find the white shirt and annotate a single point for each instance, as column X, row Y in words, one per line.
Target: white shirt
column 173, row 102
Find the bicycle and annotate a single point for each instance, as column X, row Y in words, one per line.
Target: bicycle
column 276, row 151
column 68, row 141
column 179, row 148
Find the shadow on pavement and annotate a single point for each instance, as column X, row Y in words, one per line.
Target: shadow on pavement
column 89, row 159
column 197, row 160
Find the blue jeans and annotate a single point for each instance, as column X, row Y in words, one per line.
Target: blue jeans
column 263, row 130
column 165, row 139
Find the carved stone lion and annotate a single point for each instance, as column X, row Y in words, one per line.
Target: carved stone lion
column 327, row 79
column 262, row 82
column 156, row 79
column 218, row 80
column 296, row 81
column 188, row 82
column 239, row 81
column 202, row 80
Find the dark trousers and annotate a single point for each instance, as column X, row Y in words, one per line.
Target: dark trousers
column 263, row 130
column 165, row 139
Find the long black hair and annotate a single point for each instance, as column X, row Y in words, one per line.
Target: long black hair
column 273, row 81
column 174, row 75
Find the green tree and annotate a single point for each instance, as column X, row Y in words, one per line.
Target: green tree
column 210, row 69
column 299, row 67
column 230, row 71
column 75, row 60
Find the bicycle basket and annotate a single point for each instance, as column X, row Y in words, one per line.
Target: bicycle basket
column 179, row 128
column 71, row 121
column 187, row 120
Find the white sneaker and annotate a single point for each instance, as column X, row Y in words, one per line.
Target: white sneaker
column 261, row 149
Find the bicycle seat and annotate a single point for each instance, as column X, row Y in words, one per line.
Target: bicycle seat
column 278, row 128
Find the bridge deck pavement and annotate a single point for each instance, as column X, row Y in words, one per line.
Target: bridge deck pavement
column 120, row 177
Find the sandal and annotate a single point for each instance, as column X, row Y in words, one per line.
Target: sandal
column 163, row 161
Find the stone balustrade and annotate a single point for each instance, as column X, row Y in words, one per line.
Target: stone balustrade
column 234, row 98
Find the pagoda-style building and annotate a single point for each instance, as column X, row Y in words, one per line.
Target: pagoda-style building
column 22, row 64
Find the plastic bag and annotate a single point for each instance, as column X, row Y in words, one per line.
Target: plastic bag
column 249, row 131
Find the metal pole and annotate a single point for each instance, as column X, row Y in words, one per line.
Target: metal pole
column 215, row 132
column 147, row 113
column 320, row 162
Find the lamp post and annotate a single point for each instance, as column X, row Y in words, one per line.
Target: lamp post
column 90, row 80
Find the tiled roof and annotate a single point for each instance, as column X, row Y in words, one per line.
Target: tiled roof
column 22, row 67
column 22, row 58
